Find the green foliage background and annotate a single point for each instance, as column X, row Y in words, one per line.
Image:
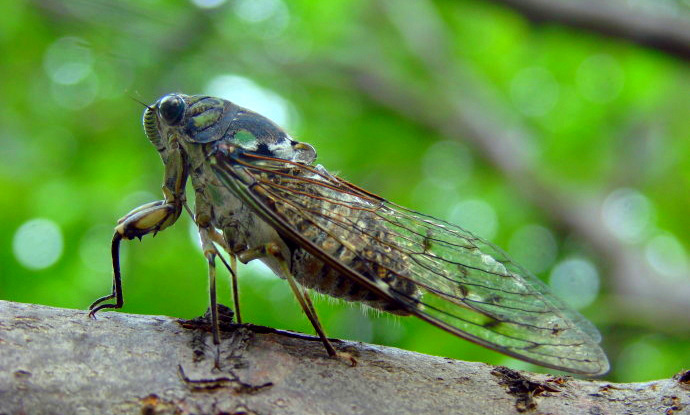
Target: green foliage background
column 371, row 85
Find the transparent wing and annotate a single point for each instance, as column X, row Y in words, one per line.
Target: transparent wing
column 468, row 286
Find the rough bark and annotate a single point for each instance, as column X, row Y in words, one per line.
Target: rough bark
column 58, row 361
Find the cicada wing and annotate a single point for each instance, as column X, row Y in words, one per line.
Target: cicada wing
column 476, row 288
column 468, row 286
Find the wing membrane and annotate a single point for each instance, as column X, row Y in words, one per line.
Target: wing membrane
column 468, row 286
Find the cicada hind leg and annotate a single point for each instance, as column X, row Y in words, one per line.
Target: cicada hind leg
column 273, row 250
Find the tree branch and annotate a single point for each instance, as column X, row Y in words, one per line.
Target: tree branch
column 652, row 26
column 58, row 361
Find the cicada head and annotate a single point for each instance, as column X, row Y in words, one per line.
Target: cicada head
column 200, row 119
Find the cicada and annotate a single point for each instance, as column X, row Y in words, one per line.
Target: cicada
column 259, row 195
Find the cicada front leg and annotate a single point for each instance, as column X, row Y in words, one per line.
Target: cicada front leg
column 149, row 218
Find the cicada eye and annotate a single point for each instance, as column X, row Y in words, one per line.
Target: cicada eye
column 171, row 109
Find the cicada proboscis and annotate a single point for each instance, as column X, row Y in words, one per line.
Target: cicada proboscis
column 259, row 195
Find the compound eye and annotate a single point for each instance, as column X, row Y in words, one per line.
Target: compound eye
column 171, row 109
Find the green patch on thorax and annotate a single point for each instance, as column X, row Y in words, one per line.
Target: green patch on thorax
column 244, row 138
column 206, row 118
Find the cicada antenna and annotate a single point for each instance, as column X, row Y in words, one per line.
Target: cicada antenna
column 133, row 98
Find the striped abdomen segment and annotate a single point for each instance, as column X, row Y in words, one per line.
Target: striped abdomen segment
column 313, row 273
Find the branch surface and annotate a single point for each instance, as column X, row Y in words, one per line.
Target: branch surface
column 58, row 361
